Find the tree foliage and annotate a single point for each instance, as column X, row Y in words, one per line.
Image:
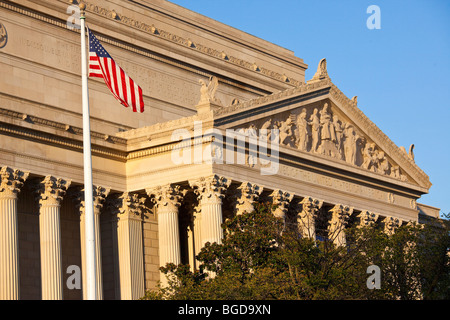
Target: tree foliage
column 262, row 257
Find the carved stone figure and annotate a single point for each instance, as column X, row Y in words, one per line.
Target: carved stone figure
column 252, row 134
column 267, row 124
column 339, row 135
column 396, row 173
column 383, row 164
column 285, row 130
column 321, row 72
column 302, row 132
column 370, row 158
column 327, row 133
column 208, row 91
column 315, row 130
column 351, row 142
column 411, row 152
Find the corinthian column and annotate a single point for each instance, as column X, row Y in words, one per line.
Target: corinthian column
column 10, row 184
column 307, row 216
column 367, row 219
column 246, row 194
column 340, row 215
column 391, row 224
column 51, row 191
column 130, row 248
column 210, row 192
column 100, row 194
column 281, row 199
column 168, row 199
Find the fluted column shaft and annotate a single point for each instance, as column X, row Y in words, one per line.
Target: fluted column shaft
column 10, row 183
column 197, row 238
column 211, row 223
column 9, row 255
column 98, row 254
column 131, row 259
column 50, row 193
column 210, row 192
column 99, row 196
column 167, row 199
column 51, row 258
column 169, row 236
column 9, row 261
column 130, row 247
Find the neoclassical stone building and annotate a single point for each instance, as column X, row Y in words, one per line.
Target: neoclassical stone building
column 230, row 119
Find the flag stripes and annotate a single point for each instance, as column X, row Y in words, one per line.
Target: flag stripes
column 123, row 88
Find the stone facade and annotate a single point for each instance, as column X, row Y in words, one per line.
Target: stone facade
column 229, row 120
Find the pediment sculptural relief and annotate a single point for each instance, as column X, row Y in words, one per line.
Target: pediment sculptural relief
column 318, row 130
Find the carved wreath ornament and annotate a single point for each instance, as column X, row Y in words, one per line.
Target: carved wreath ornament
column 3, row 36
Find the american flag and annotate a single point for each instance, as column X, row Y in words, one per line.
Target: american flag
column 123, row 88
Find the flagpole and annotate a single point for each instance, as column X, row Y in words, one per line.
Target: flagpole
column 90, row 274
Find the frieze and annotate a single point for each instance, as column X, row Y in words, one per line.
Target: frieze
column 53, row 139
column 66, row 55
column 150, row 29
column 184, row 42
column 317, row 129
column 58, row 125
column 341, row 185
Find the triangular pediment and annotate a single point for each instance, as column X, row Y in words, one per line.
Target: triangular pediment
column 317, row 119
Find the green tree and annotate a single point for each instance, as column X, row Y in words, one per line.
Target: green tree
column 262, row 257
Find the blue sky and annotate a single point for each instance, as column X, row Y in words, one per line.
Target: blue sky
column 400, row 73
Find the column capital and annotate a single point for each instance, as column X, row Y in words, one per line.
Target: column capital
column 391, row 224
column 167, row 198
column 11, row 181
column 99, row 193
column 367, row 218
column 127, row 205
column 282, row 200
column 310, row 207
column 51, row 190
column 245, row 195
column 210, row 189
column 306, row 216
column 340, row 215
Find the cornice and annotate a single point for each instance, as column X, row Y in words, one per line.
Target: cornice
column 187, row 43
column 64, row 142
column 59, row 126
column 169, row 147
column 153, row 31
column 245, row 106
